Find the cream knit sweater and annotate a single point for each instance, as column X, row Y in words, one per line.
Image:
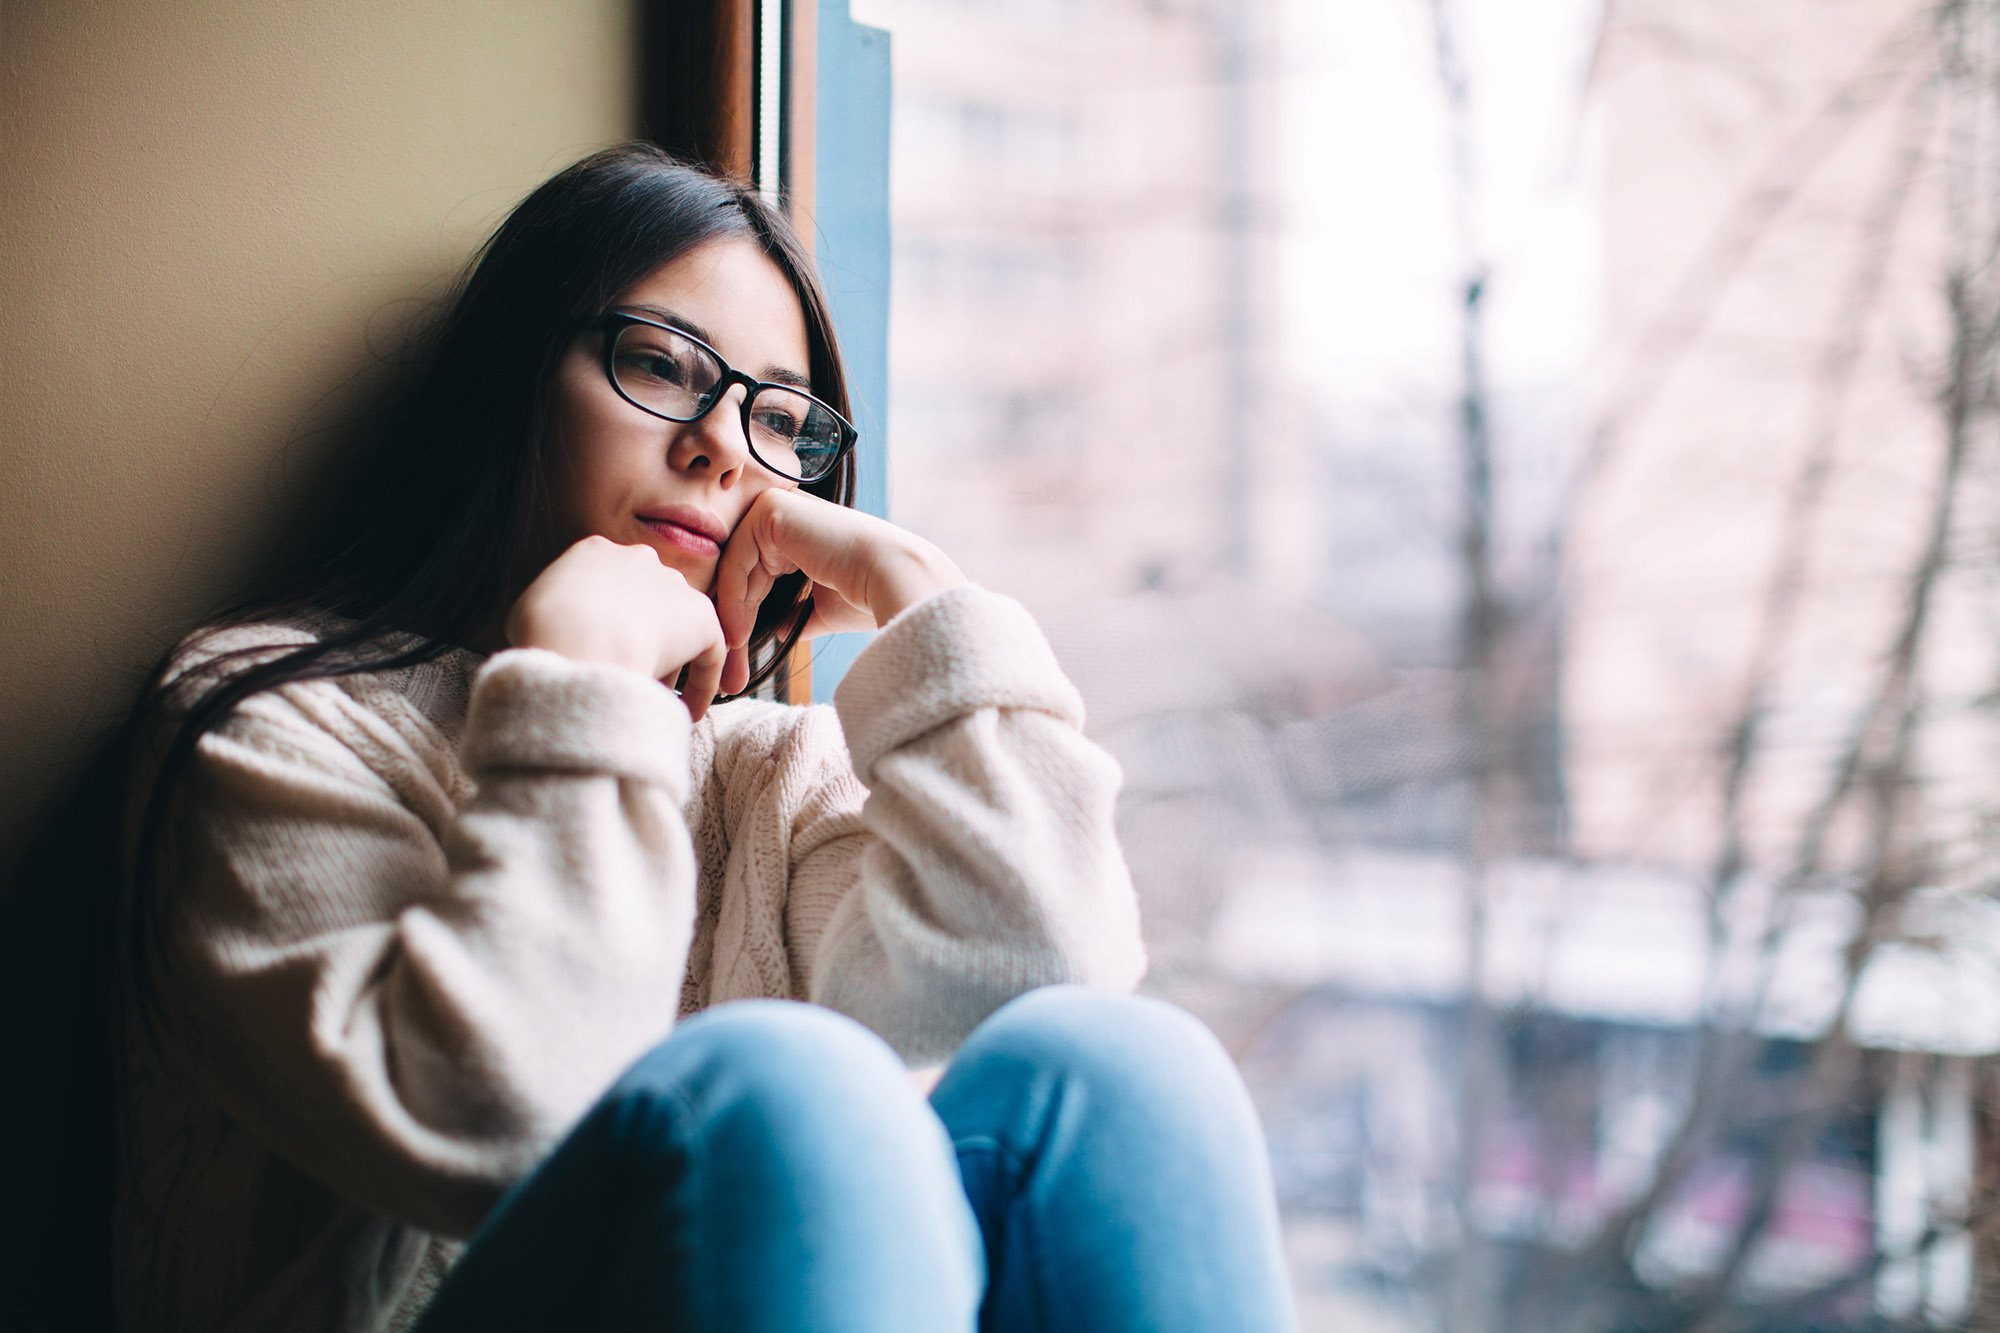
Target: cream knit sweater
column 420, row 920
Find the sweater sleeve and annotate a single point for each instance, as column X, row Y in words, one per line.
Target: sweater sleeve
column 411, row 999
column 983, row 862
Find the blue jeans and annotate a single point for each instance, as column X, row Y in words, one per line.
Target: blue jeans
column 1088, row 1161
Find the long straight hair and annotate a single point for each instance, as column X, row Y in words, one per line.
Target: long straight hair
column 436, row 529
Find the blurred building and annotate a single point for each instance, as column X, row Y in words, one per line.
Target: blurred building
column 1088, row 407
column 1145, row 379
column 1082, row 286
column 1787, row 187
column 1602, row 985
column 1099, row 405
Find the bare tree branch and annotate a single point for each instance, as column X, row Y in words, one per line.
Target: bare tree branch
column 1479, row 626
column 1833, row 383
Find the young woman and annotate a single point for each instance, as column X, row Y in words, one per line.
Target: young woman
column 452, row 919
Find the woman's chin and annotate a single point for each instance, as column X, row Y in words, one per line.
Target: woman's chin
column 696, row 566
column 699, row 572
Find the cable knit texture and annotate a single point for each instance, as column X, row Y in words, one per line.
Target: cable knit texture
column 418, row 920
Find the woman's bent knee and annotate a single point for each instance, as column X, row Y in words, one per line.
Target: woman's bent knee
column 1132, row 1038
column 1124, row 1118
column 780, row 1041
column 783, row 1067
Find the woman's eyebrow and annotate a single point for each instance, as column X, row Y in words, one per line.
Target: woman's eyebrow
column 769, row 374
column 668, row 317
column 780, row 375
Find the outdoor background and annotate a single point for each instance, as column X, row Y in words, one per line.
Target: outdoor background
column 1515, row 482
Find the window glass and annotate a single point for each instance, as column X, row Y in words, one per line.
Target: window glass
column 1512, row 483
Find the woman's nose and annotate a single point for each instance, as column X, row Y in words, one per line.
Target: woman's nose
column 714, row 442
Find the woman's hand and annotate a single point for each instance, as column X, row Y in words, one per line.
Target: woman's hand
column 601, row 601
column 864, row 569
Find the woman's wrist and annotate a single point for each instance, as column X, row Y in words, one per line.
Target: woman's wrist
column 909, row 574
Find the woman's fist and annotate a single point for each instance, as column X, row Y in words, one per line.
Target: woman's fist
column 864, row 569
column 601, row 601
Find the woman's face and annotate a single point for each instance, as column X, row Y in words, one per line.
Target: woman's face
column 678, row 487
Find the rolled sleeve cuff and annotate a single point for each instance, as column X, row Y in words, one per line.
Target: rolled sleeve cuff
column 534, row 709
column 954, row 653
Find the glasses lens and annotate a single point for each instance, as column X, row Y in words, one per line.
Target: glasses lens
column 663, row 371
column 796, row 435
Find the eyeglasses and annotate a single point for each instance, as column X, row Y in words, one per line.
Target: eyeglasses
column 678, row 377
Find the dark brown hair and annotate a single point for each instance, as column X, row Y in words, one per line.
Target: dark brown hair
column 436, row 525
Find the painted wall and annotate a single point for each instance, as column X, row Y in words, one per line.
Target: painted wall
column 219, row 220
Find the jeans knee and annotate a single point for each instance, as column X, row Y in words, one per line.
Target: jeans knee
column 770, row 1136
column 775, row 1079
column 1118, row 1046
column 785, row 1068
column 1124, row 1117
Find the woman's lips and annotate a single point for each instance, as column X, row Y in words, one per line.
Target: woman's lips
column 682, row 536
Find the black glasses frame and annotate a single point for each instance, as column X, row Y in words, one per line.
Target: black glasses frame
column 614, row 321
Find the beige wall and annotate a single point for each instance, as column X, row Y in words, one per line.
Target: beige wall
column 216, row 217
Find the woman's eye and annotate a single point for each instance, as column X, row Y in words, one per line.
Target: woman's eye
column 656, row 365
column 644, row 357
column 778, row 422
